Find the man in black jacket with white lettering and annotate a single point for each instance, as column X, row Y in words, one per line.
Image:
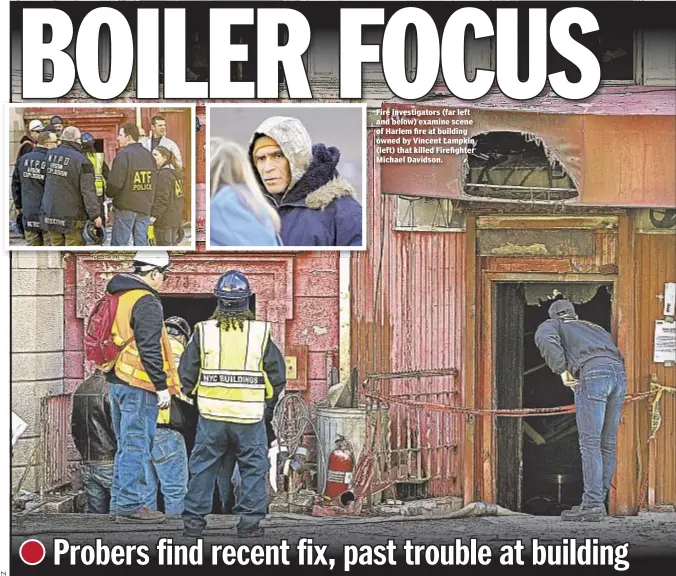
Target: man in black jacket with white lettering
column 70, row 195
column 30, row 172
column 131, row 185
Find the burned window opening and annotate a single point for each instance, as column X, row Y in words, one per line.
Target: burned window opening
column 515, row 167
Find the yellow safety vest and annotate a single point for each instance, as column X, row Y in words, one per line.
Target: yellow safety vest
column 232, row 384
column 164, row 415
column 96, row 158
column 128, row 365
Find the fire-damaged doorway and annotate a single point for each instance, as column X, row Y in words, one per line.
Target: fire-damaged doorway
column 538, row 459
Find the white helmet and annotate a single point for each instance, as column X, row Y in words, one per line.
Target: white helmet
column 145, row 260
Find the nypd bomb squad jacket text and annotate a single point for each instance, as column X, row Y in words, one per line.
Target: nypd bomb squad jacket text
column 131, row 182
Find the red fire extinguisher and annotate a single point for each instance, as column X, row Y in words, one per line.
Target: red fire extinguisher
column 340, row 467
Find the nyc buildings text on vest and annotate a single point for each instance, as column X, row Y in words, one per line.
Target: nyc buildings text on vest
column 232, row 384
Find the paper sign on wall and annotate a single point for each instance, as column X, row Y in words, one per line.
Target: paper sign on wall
column 670, row 299
column 665, row 342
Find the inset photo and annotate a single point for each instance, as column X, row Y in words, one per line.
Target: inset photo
column 286, row 177
column 101, row 176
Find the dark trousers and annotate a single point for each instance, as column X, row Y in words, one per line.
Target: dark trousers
column 598, row 407
column 218, row 446
column 166, row 236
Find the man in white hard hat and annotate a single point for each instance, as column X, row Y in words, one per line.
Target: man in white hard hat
column 29, row 140
column 141, row 382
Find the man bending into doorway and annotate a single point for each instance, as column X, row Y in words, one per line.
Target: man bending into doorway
column 575, row 348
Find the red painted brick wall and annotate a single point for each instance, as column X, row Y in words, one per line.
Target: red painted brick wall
column 315, row 320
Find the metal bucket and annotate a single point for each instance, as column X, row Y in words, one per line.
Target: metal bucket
column 350, row 423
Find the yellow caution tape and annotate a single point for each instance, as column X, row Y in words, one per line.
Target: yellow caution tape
column 656, row 417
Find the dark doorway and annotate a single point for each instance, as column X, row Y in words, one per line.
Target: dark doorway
column 194, row 309
column 538, row 466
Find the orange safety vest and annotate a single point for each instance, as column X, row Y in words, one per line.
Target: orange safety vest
column 128, row 366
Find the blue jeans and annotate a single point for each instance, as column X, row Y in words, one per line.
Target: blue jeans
column 218, row 446
column 134, row 413
column 598, row 407
column 128, row 225
column 169, row 467
column 229, row 498
column 98, row 480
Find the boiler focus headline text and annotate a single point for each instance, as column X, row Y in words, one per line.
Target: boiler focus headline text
column 437, row 51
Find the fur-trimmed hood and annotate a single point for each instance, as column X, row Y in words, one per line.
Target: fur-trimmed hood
column 315, row 181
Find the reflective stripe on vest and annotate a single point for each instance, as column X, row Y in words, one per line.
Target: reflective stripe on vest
column 164, row 415
column 232, row 383
column 128, row 366
column 97, row 161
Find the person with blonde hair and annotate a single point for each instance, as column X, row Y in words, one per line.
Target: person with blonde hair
column 239, row 212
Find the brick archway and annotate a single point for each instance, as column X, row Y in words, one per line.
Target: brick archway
column 194, row 273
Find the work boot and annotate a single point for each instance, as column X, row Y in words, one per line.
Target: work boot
column 255, row 532
column 584, row 514
column 142, row 516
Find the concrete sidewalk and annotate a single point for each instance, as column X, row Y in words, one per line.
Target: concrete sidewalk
column 647, row 533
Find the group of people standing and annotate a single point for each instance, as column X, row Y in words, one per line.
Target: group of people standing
column 283, row 191
column 171, row 390
column 60, row 185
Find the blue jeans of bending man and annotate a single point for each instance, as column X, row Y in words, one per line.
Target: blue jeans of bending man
column 98, row 481
column 599, row 397
column 134, row 413
column 218, row 447
column 129, row 226
column 168, row 467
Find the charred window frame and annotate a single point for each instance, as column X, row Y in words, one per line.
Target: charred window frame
column 515, row 167
column 421, row 214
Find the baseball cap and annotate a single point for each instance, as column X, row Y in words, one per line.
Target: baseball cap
column 35, row 126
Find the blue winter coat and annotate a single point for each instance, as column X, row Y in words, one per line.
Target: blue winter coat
column 320, row 210
column 232, row 223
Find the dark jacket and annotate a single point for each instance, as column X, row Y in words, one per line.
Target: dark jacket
column 168, row 204
column 27, row 146
column 273, row 365
column 179, row 416
column 31, row 169
column 92, row 424
column 70, row 195
column 320, row 210
column 570, row 344
column 147, row 321
column 131, row 182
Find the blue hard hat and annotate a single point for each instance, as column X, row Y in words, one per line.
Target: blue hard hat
column 88, row 141
column 233, row 291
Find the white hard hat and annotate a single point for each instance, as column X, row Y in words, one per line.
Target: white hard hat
column 146, row 260
column 35, row 126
